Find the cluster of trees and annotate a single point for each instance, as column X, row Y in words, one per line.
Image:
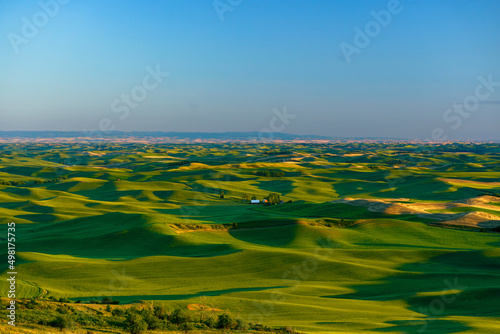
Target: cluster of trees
column 247, row 198
column 277, row 152
column 392, row 161
column 270, row 173
column 60, row 300
column 273, row 198
column 179, row 163
column 139, row 319
column 50, row 181
column 491, row 194
column 13, row 183
column 23, row 183
column 342, row 223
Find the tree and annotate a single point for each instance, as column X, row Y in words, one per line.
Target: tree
column 241, row 325
column 186, row 327
column 245, row 197
column 107, row 300
column 160, row 312
column 62, row 322
column 224, row 321
column 273, row 198
column 135, row 324
column 201, row 312
column 222, row 194
column 179, row 317
column 117, row 312
column 254, row 198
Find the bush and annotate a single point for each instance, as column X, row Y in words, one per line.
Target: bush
column 107, row 300
column 44, row 322
column 179, row 317
column 62, row 310
column 241, row 325
column 287, row 330
column 150, row 318
column 270, row 173
column 134, row 324
column 224, row 321
column 31, row 304
column 118, row 312
column 160, row 313
column 187, row 326
column 62, row 322
column 210, row 322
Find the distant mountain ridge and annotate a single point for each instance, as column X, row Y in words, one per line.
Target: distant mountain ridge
column 255, row 135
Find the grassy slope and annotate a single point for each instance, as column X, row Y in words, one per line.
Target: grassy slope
column 92, row 236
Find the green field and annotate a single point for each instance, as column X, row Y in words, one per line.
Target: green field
column 146, row 222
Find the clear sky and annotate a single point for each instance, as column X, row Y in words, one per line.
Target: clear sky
column 82, row 65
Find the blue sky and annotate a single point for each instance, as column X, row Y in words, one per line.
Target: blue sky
column 230, row 74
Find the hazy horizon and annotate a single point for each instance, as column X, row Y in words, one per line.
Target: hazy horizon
column 396, row 69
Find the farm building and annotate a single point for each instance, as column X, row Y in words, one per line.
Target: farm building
column 254, row 201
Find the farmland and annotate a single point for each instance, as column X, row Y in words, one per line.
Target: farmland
column 367, row 237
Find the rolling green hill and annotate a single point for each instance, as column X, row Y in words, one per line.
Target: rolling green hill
column 131, row 223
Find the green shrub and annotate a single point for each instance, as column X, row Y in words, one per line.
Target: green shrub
column 62, row 322
column 241, row 325
column 31, row 304
column 150, row 318
column 62, row 310
column 224, row 321
column 179, row 317
column 187, row 326
column 160, row 312
column 134, row 324
column 109, row 300
column 287, row 330
column 210, row 322
column 118, row 312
